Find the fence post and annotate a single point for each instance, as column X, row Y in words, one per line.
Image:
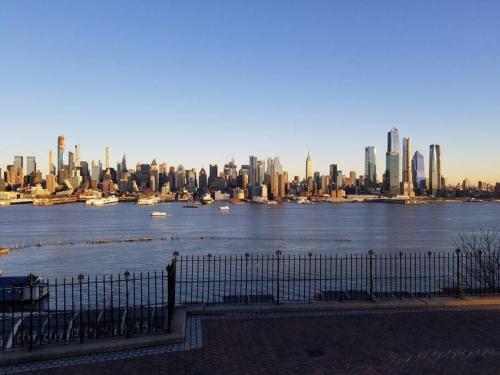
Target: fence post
column 459, row 281
column 80, row 281
column 127, row 323
column 30, row 277
column 171, row 279
column 278, row 254
column 370, row 255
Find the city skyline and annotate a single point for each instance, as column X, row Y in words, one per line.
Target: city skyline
column 261, row 79
column 395, row 149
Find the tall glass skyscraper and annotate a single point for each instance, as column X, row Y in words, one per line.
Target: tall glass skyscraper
column 393, row 140
column 370, row 166
column 254, row 171
column 418, row 168
column 434, row 169
column 309, row 166
column 392, row 173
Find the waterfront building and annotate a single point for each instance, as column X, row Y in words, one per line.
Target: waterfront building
column 407, row 187
column 309, row 167
column 154, row 172
column 418, row 170
column 60, row 152
column 11, row 174
column 180, row 178
column 392, row 173
column 434, row 169
column 370, row 166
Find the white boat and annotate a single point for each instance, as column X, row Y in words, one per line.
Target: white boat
column 207, row 199
column 158, row 214
column 101, row 201
column 148, row 201
column 224, row 208
column 303, row 201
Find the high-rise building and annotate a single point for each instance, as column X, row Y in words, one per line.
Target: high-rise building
column 418, row 169
column 333, row 176
column 261, row 172
column 407, row 168
column 71, row 162
column 18, row 162
column 392, row 163
column 77, row 155
column 434, row 169
column 30, row 166
column 60, row 152
column 371, row 166
column 392, row 173
column 309, row 167
column 213, row 173
column 107, row 157
column 52, row 167
column 124, row 164
column 393, row 140
column 253, row 171
column 203, row 181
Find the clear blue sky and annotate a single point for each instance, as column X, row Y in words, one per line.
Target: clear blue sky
column 196, row 82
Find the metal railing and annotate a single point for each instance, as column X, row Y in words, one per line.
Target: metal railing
column 281, row 278
column 36, row 312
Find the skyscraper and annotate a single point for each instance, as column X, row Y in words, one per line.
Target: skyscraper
column 418, row 169
column 213, row 173
column 407, row 168
column 124, row 164
column 333, row 176
column 393, row 140
column 52, row 167
column 77, row 155
column 370, row 166
column 254, row 171
column 107, row 157
column 30, row 166
column 18, row 162
column 434, row 169
column 309, row 167
column 392, row 163
column 60, row 152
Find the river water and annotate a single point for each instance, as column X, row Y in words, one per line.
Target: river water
column 292, row 228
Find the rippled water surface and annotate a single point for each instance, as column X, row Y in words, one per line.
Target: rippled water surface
column 321, row 228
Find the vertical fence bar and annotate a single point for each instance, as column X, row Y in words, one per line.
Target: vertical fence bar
column 370, row 274
column 458, row 280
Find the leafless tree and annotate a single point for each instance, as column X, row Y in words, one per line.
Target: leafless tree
column 480, row 259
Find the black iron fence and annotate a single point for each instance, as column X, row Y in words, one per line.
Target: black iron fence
column 280, row 278
column 36, row 311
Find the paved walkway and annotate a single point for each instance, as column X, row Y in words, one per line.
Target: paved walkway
column 432, row 341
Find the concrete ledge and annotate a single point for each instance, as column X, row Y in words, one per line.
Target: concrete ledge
column 57, row 351
column 470, row 302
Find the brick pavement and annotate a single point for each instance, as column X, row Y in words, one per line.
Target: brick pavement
column 437, row 341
